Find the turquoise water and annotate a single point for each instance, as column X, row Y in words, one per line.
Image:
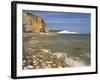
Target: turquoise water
column 75, row 45
column 77, row 41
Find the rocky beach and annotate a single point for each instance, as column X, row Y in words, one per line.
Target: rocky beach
column 36, row 57
column 45, row 48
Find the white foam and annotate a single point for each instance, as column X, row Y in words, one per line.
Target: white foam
column 69, row 60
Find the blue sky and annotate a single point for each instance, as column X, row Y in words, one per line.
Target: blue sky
column 79, row 22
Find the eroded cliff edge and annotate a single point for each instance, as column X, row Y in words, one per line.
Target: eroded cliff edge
column 33, row 23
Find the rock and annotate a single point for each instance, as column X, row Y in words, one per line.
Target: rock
column 34, row 61
column 30, row 67
column 25, row 68
column 42, row 60
column 46, row 50
column 24, row 61
column 37, row 67
column 33, row 23
column 34, row 56
column 49, row 62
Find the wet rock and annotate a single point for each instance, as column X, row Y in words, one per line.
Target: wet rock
column 42, row 58
column 29, row 67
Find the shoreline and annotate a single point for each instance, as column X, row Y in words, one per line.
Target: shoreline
column 69, row 60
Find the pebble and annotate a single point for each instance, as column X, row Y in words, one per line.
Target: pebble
column 41, row 56
column 33, row 37
column 37, row 67
column 45, row 50
column 34, row 56
column 34, row 61
column 43, row 60
column 24, row 61
column 29, row 66
column 59, row 66
column 25, row 68
column 29, row 61
column 49, row 62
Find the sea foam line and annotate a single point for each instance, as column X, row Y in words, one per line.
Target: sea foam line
column 69, row 60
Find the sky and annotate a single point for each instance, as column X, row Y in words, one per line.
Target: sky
column 78, row 22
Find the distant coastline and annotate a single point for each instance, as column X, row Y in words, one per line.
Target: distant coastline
column 66, row 32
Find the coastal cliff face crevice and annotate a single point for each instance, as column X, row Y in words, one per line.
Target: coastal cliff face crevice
column 33, row 23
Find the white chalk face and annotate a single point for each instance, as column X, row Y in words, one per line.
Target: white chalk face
column 55, row 40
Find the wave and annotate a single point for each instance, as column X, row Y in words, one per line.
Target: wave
column 71, row 61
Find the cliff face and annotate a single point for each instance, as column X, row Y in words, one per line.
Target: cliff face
column 32, row 23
